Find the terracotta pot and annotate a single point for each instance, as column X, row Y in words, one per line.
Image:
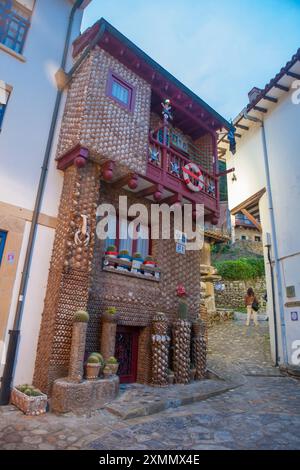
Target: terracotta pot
column 114, row 368
column 31, row 406
column 92, row 371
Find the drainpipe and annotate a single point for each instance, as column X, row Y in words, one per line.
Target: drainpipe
column 14, row 334
column 274, row 235
column 268, row 246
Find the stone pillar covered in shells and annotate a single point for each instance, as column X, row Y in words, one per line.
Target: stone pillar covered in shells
column 199, row 349
column 160, row 350
column 71, row 263
column 81, row 319
column 108, row 334
column 181, row 351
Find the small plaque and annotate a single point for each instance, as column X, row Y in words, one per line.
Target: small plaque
column 180, row 248
column 294, row 316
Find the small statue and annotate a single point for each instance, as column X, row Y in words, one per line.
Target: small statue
column 166, row 112
column 82, row 237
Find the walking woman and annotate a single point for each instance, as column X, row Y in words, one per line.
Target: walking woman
column 251, row 303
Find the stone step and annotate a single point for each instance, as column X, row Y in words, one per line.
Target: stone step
column 139, row 400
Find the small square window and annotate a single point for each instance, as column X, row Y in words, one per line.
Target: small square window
column 120, row 91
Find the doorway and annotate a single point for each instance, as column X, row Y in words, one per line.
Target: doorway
column 126, row 353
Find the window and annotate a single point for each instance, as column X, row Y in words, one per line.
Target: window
column 141, row 245
column 14, row 24
column 4, row 96
column 2, row 243
column 120, row 91
column 258, row 239
column 243, row 237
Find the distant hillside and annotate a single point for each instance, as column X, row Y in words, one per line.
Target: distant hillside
column 226, row 252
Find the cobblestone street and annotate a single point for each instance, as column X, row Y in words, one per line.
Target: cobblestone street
column 263, row 412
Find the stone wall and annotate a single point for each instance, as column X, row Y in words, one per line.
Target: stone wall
column 251, row 246
column 235, row 291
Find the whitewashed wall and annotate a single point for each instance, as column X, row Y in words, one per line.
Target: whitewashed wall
column 282, row 133
column 23, row 142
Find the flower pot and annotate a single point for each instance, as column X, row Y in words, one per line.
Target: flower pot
column 124, row 258
column 92, row 371
column 113, row 368
column 111, row 254
column 136, row 265
column 107, row 372
column 31, row 406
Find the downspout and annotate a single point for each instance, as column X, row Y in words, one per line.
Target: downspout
column 274, row 304
column 274, row 235
column 14, row 334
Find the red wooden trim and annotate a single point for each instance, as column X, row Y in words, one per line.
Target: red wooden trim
column 77, row 155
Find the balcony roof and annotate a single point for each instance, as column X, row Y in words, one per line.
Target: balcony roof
column 190, row 110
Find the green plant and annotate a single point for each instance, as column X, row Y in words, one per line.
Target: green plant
column 182, row 310
column 124, row 252
column 92, row 359
column 137, row 255
column 111, row 310
column 149, row 258
column 99, row 356
column 81, row 316
column 242, row 269
column 111, row 248
column 111, row 360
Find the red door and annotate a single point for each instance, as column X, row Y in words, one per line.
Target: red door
column 127, row 353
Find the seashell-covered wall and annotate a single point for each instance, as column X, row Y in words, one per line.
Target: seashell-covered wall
column 98, row 123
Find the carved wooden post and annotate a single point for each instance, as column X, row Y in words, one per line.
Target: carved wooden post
column 81, row 319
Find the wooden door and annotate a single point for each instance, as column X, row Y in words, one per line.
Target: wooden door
column 127, row 353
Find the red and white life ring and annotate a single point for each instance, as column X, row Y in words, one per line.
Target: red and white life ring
column 193, row 177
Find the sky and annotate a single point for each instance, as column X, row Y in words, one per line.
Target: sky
column 220, row 49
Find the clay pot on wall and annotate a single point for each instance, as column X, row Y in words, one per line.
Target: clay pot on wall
column 92, row 368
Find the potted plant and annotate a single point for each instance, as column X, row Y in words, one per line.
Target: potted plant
column 150, row 263
column 111, row 251
column 101, row 361
column 171, row 377
column 137, row 261
column 125, row 256
column 93, row 366
column 29, row 399
column 112, row 364
column 110, row 315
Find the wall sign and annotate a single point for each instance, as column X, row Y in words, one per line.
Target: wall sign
column 294, row 316
column 180, row 248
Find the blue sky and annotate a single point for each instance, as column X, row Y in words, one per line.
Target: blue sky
column 218, row 48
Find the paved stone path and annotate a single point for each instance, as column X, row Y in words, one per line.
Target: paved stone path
column 263, row 413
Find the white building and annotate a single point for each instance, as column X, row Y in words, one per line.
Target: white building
column 266, row 186
column 33, row 37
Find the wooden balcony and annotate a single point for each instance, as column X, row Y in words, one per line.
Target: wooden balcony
column 165, row 169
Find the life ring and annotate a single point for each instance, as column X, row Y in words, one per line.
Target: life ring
column 193, row 177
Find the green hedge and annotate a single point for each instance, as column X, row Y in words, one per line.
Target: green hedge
column 242, row 269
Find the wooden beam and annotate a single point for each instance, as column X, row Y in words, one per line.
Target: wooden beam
column 281, row 87
column 270, row 98
column 172, row 199
column 248, row 202
column 123, row 181
column 260, row 109
column 293, row 75
column 148, row 191
column 252, row 219
column 240, row 126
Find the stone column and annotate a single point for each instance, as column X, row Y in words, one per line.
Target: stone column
column 70, row 269
column 108, row 335
column 78, row 346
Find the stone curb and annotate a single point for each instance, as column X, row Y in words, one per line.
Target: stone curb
column 165, row 404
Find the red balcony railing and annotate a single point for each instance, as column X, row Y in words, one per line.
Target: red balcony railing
column 172, row 162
